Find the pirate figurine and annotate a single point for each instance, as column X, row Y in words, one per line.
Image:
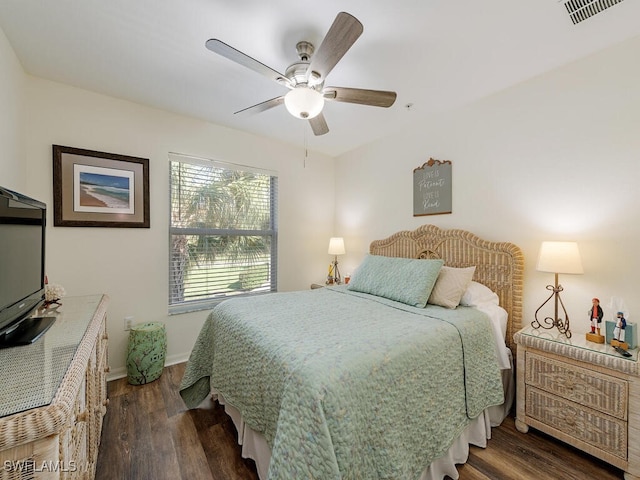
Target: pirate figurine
column 595, row 317
column 619, row 330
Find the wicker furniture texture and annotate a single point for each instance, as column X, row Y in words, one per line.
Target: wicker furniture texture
column 499, row 265
column 583, row 394
column 60, row 439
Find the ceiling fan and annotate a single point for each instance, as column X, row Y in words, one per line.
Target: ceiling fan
column 305, row 78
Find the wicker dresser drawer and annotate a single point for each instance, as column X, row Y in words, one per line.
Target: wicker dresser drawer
column 595, row 428
column 58, row 438
column 582, row 393
column 588, row 388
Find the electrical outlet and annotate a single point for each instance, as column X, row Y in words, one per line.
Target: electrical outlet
column 128, row 321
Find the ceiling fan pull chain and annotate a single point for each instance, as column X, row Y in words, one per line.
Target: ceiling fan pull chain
column 306, row 148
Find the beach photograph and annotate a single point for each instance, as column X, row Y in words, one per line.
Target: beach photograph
column 103, row 190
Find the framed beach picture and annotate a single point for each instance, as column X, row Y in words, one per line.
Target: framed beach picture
column 99, row 189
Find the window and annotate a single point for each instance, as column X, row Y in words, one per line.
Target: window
column 223, row 234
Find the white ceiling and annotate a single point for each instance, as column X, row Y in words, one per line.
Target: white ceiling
column 436, row 54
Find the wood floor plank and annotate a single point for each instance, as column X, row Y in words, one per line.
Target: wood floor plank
column 148, row 433
column 163, row 447
column 224, row 458
column 189, row 450
column 171, row 394
column 114, row 455
column 143, row 461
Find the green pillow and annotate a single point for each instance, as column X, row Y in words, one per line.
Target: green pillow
column 405, row 280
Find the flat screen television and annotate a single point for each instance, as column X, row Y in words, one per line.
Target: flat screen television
column 22, row 268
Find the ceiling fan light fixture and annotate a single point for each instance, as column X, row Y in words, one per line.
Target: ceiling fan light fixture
column 304, row 102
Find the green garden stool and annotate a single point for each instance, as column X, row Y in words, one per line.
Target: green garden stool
column 146, row 353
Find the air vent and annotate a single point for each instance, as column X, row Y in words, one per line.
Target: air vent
column 580, row 10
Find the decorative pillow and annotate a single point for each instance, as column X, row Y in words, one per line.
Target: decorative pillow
column 450, row 286
column 405, row 280
column 477, row 294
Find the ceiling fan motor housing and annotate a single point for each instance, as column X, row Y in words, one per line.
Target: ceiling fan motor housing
column 298, row 72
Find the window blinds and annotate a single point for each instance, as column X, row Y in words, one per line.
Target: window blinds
column 223, row 232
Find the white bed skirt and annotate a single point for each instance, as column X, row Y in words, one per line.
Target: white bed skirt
column 254, row 444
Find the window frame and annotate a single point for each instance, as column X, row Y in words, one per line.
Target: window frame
column 272, row 232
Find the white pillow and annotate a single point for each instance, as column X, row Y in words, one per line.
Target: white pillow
column 478, row 294
column 450, row 285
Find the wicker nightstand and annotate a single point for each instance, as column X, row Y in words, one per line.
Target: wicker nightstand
column 582, row 393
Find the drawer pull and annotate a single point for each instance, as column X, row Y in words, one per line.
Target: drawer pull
column 105, row 402
column 107, row 369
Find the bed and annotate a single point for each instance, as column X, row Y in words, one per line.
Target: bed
column 363, row 380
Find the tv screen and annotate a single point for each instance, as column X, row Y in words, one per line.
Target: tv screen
column 22, row 248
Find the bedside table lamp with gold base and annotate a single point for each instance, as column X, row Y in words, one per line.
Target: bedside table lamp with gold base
column 336, row 247
column 557, row 257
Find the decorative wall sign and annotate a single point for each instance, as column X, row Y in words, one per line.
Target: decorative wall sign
column 98, row 189
column 432, row 188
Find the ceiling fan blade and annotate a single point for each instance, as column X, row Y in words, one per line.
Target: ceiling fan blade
column 319, row 125
column 261, row 107
column 375, row 98
column 343, row 33
column 227, row 51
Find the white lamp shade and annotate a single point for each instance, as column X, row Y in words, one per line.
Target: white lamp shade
column 304, row 102
column 336, row 246
column 559, row 257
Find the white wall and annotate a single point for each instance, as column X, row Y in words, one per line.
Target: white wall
column 131, row 265
column 554, row 158
column 12, row 165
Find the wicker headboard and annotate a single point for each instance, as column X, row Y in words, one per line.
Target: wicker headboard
column 499, row 265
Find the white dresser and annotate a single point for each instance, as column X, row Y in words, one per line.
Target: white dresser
column 53, row 396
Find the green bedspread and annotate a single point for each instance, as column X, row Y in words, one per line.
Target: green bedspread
column 345, row 385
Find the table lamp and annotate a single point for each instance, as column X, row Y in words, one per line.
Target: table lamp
column 336, row 247
column 556, row 258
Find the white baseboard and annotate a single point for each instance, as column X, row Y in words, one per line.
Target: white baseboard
column 121, row 372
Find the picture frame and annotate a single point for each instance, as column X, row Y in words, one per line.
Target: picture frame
column 99, row 189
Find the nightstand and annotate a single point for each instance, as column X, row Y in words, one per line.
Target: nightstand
column 583, row 393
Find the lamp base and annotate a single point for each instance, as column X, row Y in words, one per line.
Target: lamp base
column 336, row 272
column 595, row 338
column 556, row 321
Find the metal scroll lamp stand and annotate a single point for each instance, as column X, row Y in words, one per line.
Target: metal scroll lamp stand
column 557, row 257
column 336, row 247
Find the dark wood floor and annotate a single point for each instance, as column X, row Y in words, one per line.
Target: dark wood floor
column 149, row 434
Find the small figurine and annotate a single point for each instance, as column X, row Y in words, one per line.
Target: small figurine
column 595, row 317
column 621, row 325
column 619, row 331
